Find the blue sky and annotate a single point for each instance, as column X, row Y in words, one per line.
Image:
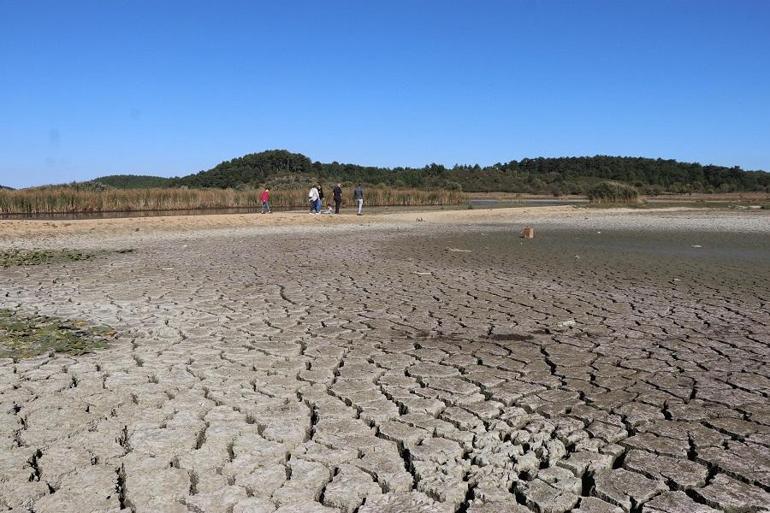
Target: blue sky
column 171, row 87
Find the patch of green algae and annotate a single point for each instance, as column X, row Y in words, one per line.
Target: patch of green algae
column 13, row 257
column 16, row 257
column 27, row 336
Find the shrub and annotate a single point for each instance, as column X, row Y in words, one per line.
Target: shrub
column 613, row 192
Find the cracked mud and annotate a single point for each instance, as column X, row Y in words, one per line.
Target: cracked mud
column 377, row 371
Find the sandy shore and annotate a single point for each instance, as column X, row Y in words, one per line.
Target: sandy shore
column 49, row 232
column 45, row 228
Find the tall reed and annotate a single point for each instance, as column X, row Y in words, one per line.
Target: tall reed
column 612, row 192
column 67, row 200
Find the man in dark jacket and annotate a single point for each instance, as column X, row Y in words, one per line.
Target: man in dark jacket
column 337, row 193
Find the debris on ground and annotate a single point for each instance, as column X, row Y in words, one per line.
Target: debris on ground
column 528, row 233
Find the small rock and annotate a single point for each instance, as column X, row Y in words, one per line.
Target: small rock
column 528, row 464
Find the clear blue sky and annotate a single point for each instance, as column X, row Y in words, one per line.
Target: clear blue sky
column 170, row 87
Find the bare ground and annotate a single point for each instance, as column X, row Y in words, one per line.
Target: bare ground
column 617, row 362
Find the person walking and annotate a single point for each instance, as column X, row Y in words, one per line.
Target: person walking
column 313, row 197
column 337, row 194
column 320, row 197
column 358, row 195
column 265, row 199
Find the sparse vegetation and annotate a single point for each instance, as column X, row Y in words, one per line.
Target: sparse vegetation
column 23, row 336
column 609, row 192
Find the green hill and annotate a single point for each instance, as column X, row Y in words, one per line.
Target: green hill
column 132, row 181
column 252, row 170
column 562, row 175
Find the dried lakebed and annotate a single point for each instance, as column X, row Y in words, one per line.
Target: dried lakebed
column 428, row 369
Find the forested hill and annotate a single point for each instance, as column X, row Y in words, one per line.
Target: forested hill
column 131, row 181
column 6, row 188
column 561, row 175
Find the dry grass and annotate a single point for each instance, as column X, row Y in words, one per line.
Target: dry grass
column 66, row 200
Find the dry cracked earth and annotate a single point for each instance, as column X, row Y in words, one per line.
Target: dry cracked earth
column 435, row 369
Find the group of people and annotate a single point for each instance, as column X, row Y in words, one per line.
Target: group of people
column 316, row 198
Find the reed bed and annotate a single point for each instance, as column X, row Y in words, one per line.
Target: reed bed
column 67, row 200
column 610, row 192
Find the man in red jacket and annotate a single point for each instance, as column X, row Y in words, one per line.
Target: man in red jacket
column 265, row 199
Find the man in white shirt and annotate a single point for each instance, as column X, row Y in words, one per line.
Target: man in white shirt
column 313, row 197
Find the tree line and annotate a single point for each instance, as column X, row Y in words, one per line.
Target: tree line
column 132, row 181
column 561, row 175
